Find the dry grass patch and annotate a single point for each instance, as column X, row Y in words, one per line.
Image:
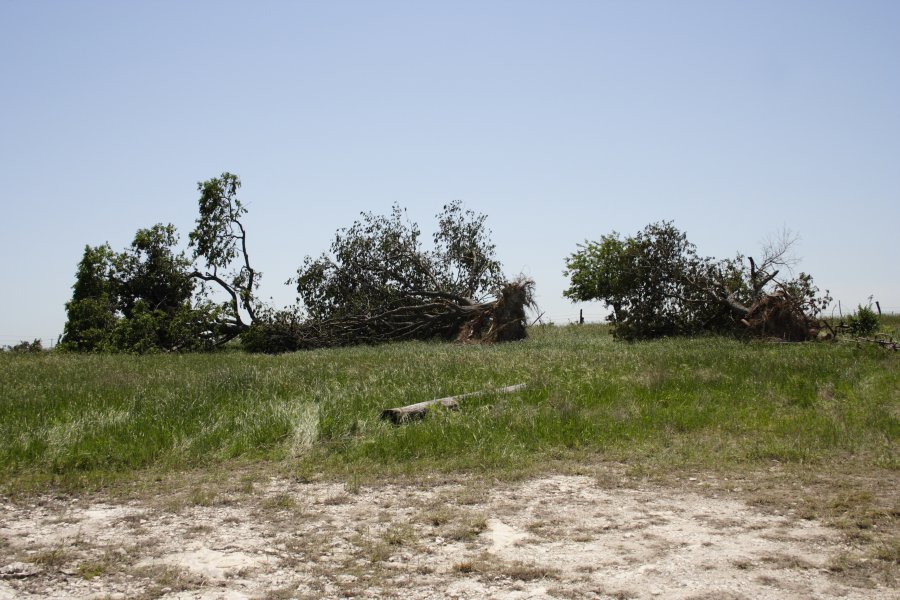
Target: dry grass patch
column 467, row 528
column 784, row 561
column 337, row 499
column 279, row 502
column 522, row 571
column 52, row 558
column 167, row 579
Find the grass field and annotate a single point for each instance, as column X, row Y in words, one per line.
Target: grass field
column 73, row 421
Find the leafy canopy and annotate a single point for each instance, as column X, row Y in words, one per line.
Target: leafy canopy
column 379, row 262
column 657, row 285
column 137, row 300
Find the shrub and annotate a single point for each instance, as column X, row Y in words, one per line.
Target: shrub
column 864, row 322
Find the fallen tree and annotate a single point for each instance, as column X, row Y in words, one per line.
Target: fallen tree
column 423, row 316
column 379, row 284
column 657, row 285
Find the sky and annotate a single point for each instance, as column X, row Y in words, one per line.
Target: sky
column 561, row 121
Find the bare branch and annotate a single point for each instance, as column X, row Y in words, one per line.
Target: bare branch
column 778, row 250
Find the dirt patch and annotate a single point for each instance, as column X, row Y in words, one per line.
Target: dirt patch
column 551, row 537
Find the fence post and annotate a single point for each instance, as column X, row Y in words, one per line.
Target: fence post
column 878, row 306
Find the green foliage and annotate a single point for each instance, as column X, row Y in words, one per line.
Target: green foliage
column 655, row 282
column 91, row 313
column 601, row 270
column 463, row 257
column 864, row 322
column 219, row 241
column 214, row 237
column 146, row 330
column 657, row 285
column 138, row 300
column 146, row 298
column 379, row 262
column 150, row 271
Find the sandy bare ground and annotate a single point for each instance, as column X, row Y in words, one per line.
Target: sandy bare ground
column 552, row 537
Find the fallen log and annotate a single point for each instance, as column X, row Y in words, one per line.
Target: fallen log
column 887, row 344
column 417, row 411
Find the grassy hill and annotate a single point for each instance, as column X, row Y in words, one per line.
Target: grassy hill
column 714, row 403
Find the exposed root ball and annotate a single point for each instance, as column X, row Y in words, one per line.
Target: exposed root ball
column 779, row 316
column 502, row 320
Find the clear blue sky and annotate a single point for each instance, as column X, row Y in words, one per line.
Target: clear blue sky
column 560, row 120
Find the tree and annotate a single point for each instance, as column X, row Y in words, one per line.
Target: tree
column 219, row 240
column 601, row 271
column 138, row 300
column 657, row 285
column 91, row 313
column 378, row 263
column 146, row 298
column 379, row 284
column 648, row 280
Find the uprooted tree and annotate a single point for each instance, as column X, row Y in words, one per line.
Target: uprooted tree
column 379, row 284
column 657, row 285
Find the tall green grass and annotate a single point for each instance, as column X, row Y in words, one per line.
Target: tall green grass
column 706, row 401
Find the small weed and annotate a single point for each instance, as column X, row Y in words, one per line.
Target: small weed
column 399, row 535
column 203, row 497
column 246, row 485
column 52, row 558
column 470, row 497
column 353, row 485
column 337, row 499
column 199, row 529
column 91, row 569
column 134, row 519
column 528, row 572
column 465, row 567
column 888, row 551
column 468, row 529
column 283, row 593
column 785, row 561
column 378, row 552
column 280, row 502
column 438, row 517
column 743, row 564
column 176, row 579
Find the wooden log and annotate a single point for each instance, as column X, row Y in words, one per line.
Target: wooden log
column 417, row 411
